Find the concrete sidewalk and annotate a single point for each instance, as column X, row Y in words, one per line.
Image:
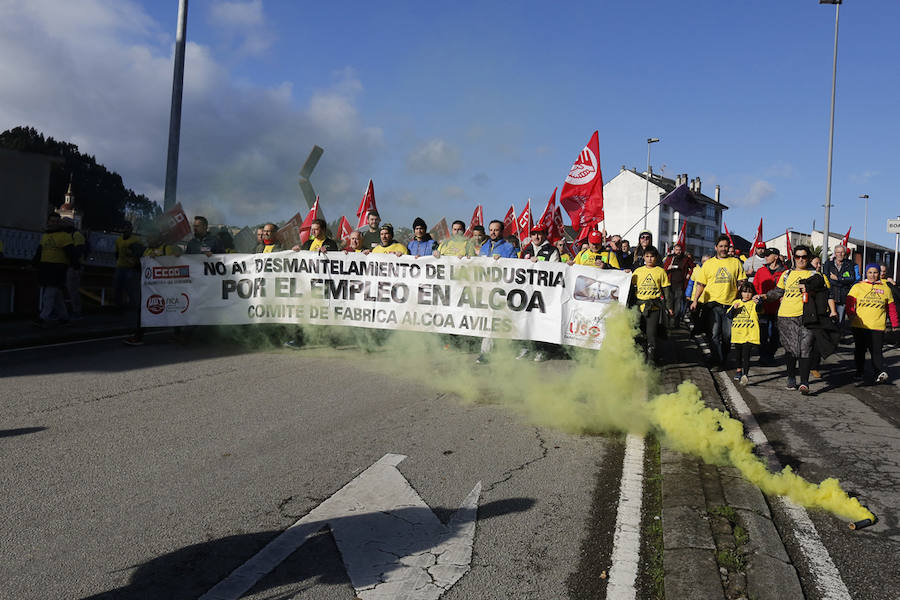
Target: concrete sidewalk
column 719, row 538
column 24, row 333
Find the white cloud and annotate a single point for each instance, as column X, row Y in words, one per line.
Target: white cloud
column 100, row 77
column 244, row 22
column 782, row 170
column 759, row 191
column 434, row 156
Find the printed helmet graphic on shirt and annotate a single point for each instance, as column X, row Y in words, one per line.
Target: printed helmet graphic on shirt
column 649, row 285
column 722, row 275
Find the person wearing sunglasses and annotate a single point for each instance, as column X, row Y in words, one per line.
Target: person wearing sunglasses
column 796, row 288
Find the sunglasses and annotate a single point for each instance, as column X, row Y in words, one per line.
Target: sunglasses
column 803, row 256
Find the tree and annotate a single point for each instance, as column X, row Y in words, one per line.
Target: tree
column 99, row 193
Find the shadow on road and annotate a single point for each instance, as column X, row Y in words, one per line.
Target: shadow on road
column 191, row 571
column 5, row 433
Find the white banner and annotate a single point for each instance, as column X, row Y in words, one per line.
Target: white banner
column 505, row 298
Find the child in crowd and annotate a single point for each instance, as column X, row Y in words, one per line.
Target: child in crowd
column 744, row 315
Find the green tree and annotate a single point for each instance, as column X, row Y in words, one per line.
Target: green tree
column 99, row 193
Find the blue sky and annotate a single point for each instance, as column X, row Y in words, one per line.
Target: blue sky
column 451, row 105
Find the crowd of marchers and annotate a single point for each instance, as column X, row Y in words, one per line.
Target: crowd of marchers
column 749, row 305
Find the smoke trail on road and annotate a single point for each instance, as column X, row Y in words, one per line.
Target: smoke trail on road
column 613, row 390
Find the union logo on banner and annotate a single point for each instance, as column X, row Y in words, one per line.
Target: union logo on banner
column 584, row 169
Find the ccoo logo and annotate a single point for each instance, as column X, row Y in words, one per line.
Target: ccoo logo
column 585, row 168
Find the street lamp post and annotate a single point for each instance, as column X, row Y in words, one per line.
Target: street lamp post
column 647, row 189
column 865, row 229
column 175, row 112
column 826, row 233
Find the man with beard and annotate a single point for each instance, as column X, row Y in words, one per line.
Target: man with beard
column 678, row 268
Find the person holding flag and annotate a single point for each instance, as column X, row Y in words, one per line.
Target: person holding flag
column 757, row 261
column 678, row 267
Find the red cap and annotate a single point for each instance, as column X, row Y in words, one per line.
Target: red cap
column 760, row 244
column 595, row 237
column 539, row 227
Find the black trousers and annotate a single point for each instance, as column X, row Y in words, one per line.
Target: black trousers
column 744, row 351
column 871, row 340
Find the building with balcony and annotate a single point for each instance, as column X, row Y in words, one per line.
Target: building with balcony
column 623, row 205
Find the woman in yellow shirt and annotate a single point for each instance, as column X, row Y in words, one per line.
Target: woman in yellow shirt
column 869, row 302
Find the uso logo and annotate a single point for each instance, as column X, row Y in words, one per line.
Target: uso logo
column 584, row 330
column 156, row 304
column 173, row 272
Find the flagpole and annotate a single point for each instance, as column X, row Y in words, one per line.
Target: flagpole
column 175, row 112
column 647, row 189
column 825, row 232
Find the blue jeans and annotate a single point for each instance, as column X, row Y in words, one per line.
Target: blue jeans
column 719, row 331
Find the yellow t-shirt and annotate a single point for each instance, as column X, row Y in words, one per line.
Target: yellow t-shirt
column 792, row 301
column 872, row 301
column 456, row 245
column 164, row 250
column 124, row 252
column 721, row 277
column 315, row 244
column 649, row 282
column 745, row 324
column 395, row 247
column 589, row 258
column 53, row 247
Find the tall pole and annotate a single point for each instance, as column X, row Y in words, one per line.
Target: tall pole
column 826, row 233
column 175, row 114
column 647, row 189
column 865, row 229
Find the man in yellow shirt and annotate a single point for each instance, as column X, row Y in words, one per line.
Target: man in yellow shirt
column 457, row 244
column 129, row 248
column 318, row 239
column 594, row 255
column 73, row 273
column 53, row 257
column 156, row 247
column 388, row 244
column 717, row 280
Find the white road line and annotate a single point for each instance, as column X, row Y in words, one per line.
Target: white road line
column 626, row 550
column 826, row 577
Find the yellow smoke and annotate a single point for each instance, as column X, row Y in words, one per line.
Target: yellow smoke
column 611, row 390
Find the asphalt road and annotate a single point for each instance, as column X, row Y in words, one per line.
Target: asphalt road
column 153, row 472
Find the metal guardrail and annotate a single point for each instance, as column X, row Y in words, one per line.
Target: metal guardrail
column 21, row 245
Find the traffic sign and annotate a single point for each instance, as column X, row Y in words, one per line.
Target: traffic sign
column 893, row 225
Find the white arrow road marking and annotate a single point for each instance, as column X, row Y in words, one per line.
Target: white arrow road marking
column 392, row 544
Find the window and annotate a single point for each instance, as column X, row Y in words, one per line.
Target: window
column 710, row 211
column 664, row 228
column 710, row 233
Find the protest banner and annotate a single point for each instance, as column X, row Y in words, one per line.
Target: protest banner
column 505, row 298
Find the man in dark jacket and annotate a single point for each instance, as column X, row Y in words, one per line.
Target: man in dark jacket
column 203, row 241
column 839, row 271
column 318, row 239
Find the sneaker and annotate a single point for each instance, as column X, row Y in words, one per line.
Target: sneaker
column 293, row 345
column 133, row 341
column 481, row 360
column 540, row 356
column 745, row 380
column 522, row 354
column 815, row 373
column 882, row 377
column 791, row 384
column 738, row 376
column 804, row 389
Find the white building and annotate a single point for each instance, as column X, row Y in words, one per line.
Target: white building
column 874, row 252
column 623, row 205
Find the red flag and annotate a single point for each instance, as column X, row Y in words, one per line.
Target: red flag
column 678, row 242
column 367, row 204
column 524, row 223
column 289, row 234
column 759, row 236
column 730, row 240
column 582, row 193
column 314, row 213
column 477, row 219
column 510, row 225
column 440, row 231
column 557, row 227
column 846, row 238
column 546, row 219
column 173, row 224
column 344, row 230
column 790, row 251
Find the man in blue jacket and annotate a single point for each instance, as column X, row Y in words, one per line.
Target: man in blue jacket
column 496, row 245
column 841, row 276
column 421, row 244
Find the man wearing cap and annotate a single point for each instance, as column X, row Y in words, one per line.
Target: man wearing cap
column 755, row 262
column 594, row 255
column 539, row 250
column 388, row 244
column 841, row 276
